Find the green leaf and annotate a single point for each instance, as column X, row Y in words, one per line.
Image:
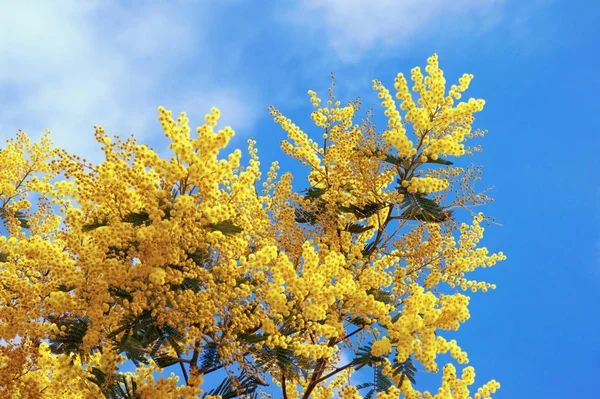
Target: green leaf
column 417, row 206
column 406, row 369
column 210, row 357
column 314, row 192
column 120, row 293
column 137, row 218
column 284, row 360
column 302, row 216
column 22, row 220
column 243, row 386
column 95, row 224
column 380, row 383
column 356, row 228
column 64, row 288
column 370, row 209
column 71, row 340
column 3, row 257
column 390, row 158
column 365, row 358
column 199, row 256
column 368, row 249
column 380, row 295
column 395, row 160
column 364, row 385
column 225, row 227
column 252, row 338
column 163, row 361
column 192, row 284
column 439, row 161
column 115, row 386
column 359, row 321
column 142, row 334
column 20, row 216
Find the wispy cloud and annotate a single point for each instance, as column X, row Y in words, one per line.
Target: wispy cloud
column 70, row 65
column 352, row 28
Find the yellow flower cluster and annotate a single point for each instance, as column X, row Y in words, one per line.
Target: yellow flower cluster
column 396, row 136
column 426, row 185
column 455, row 387
column 303, row 149
column 382, row 347
column 439, row 126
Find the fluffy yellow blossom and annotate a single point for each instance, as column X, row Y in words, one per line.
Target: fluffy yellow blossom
column 382, row 347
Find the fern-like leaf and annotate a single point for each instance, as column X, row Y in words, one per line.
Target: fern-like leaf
column 95, row 224
column 163, row 360
column 20, row 216
column 137, row 218
column 71, row 339
column 369, row 209
column 406, row 369
column 242, row 386
column 381, row 295
column 439, row 161
column 417, row 206
column 314, row 192
column 210, row 357
column 365, row 358
column 356, row 228
column 225, row 227
column 368, row 249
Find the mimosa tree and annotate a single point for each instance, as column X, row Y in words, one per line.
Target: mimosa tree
column 188, row 263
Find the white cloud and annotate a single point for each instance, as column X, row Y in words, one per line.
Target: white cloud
column 67, row 66
column 354, row 27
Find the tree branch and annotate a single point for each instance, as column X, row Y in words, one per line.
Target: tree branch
column 334, row 372
column 283, row 386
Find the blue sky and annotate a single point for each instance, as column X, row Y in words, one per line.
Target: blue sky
column 67, row 65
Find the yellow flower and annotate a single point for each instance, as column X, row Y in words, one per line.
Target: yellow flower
column 382, row 347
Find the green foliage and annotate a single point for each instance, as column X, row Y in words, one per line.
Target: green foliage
column 368, row 210
column 71, row 339
column 380, row 383
column 210, row 359
column 381, row 295
column 417, row 206
column 368, row 249
column 225, row 227
column 439, row 161
column 283, row 361
column 243, row 385
column 143, row 218
column 95, row 224
column 114, row 387
column 141, row 337
column 5, row 215
column 365, row 358
column 356, row 228
column 406, row 369
column 314, row 192
column 302, row 216
column 64, row 288
column 137, row 218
